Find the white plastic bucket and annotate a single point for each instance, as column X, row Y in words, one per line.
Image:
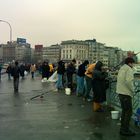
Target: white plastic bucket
column 67, row 91
column 115, row 114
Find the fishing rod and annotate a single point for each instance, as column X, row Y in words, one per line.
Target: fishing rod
column 41, row 96
column 122, row 62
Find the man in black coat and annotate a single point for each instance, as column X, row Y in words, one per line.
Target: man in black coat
column 16, row 72
column 45, row 70
column 70, row 71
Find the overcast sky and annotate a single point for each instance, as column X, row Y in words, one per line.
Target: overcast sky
column 113, row 22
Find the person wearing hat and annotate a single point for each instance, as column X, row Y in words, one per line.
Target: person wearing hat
column 125, row 90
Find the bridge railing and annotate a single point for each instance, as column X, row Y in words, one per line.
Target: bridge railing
column 113, row 98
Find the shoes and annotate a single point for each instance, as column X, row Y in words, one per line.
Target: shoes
column 127, row 133
column 89, row 100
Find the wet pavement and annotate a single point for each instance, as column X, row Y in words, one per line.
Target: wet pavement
column 55, row 117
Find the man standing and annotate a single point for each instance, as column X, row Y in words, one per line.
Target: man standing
column 15, row 72
column 125, row 89
column 32, row 70
column 45, row 70
column 70, row 71
column 80, row 78
column 60, row 73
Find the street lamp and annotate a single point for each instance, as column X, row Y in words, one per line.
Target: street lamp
column 10, row 29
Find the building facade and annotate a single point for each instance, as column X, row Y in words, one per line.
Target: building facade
column 15, row 51
column 74, row 49
column 38, row 52
column 52, row 53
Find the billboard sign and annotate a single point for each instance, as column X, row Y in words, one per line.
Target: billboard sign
column 21, row 40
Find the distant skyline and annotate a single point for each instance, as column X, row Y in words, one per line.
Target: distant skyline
column 113, row 22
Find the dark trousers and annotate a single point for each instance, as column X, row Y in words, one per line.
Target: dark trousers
column 16, row 83
column 126, row 105
column 32, row 73
column 70, row 81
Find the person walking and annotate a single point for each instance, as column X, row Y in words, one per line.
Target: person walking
column 22, row 69
column 125, row 90
column 8, row 71
column 32, row 70
column 16, row 72
column 80, row 78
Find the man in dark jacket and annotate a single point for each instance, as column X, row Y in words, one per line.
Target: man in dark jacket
column 70, row 71
column 80, row 78
column 45, row 70
column 60, row 73
column 22, row 69
column 15, row 72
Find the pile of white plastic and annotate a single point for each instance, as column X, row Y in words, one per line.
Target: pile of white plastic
column 53, row 78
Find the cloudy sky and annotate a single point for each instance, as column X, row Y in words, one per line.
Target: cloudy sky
column 113, row 22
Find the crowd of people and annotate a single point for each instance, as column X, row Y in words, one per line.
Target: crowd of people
column 90, row 82
column 80, row 80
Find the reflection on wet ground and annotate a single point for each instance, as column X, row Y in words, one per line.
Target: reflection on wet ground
column 56, row 116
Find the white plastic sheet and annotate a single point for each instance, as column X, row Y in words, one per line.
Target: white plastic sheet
column 53, row 78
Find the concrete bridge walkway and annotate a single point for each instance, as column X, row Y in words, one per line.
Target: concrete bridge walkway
column 55, row 117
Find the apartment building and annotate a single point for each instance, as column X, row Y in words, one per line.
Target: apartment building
column 74, row 49
column 16, row 51
column 38, row 53
column 52, row 53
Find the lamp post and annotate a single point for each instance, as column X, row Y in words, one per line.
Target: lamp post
column 10, row 28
